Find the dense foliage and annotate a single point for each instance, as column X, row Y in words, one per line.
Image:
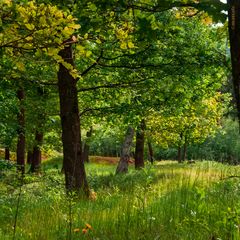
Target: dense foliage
column 131, row 81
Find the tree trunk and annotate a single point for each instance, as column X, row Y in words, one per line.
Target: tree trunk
column 75, row 175
column 86, row 153
column 36, row 154
column 125, row 152
column 29, row 157
column 139, row 150
column 179, row 154
column 234, row 36
column 150, row 152
column 7, row 153
column 21, row 132
column 184, row 152
column 180, row 148
column 86, row 146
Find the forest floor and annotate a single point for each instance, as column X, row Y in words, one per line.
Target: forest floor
column 166, row 200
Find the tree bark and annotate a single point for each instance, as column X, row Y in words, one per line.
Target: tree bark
column 75, row 175
column 234, row 36
column 21, row 132
column 36, row 154
column 150, row 152
column 184, row 152
column 86, row 146
column 7, row 153
column 139, row 149
column 179, row 157
column 125, row 152
column 29, row 157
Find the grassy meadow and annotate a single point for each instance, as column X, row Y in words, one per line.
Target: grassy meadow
column 164, row 201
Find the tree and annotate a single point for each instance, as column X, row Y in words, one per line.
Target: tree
column 125, row 151
column 8, row 116
column 129, row 59
column 234, row 38
column 44, row 30
column 139, row 149
column 199, row 121
column 86, row 146
column 73, row 165
column 21, row 131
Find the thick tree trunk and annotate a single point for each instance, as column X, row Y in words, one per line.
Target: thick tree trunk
column 150, row 152
column 139, row 150
column 36, row 154
column 7, row 153
column 86, row 146
column 29, row 157
column 125, row 151
column 75, row 175
column 234, row 36
column 21, row 132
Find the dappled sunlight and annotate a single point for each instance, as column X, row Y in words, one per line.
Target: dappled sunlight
column 166, row 198
column 119, row 120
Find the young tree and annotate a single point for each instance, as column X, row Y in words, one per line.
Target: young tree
column 139, row 149
column 21, row 131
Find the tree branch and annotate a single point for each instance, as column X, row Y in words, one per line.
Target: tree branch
column 127, row 55
column 113, row 85
column 96, row 109
column 92, row 66
column 136, row 66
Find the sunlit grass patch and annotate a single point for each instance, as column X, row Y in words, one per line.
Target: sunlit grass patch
column 164, row 201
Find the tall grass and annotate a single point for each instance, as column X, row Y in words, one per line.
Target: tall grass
column 164, row 201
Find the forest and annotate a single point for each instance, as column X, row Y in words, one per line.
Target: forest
column 120, row 119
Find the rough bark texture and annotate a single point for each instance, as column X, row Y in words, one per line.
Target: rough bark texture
column 234, row 36
column 139, row 150
column 86, row 146
column 150, row 152
column 75, row 176
column 36, row 154
column 7, row 153
column 21, row 132
column 125, row 152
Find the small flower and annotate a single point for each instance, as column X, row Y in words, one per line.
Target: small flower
column 93, row 196
column 84, row 231
column 76, row 230
column 88, row 226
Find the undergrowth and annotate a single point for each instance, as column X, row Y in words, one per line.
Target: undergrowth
column 164, row 201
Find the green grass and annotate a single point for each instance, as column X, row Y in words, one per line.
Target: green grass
column 164, row 201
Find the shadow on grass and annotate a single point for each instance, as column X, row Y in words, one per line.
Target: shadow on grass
column 102, row 176
column 129, row 181
column 52, row 163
